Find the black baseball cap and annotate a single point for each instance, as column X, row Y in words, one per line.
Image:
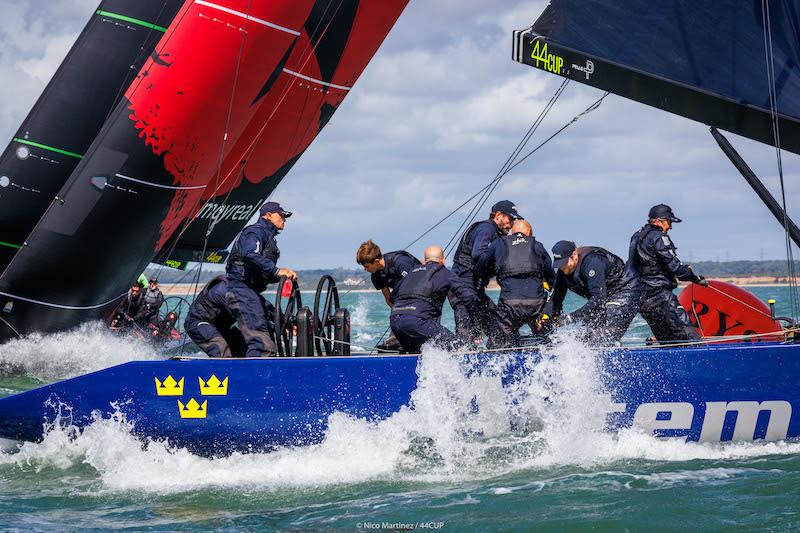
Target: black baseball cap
column 561, row 252
column 507, row 208
column 154, row 280
column 662, row 211
column 274, row 207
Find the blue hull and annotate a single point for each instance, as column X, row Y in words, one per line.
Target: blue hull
column 711, row 393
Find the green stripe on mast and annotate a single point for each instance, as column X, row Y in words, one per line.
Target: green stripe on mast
column 131, row 20
column 51, row 148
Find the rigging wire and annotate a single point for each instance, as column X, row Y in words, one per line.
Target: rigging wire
column 773, row 105
column 596, row 104
column 504, row 169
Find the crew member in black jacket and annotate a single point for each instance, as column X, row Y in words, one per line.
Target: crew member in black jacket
column 652, row 255
column 612, row 289
column 521, row 265
column 417, row 311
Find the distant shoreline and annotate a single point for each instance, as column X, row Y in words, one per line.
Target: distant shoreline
column 181, row 289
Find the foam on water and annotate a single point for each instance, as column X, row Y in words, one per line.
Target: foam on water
column 58, row 356
column 462, row 425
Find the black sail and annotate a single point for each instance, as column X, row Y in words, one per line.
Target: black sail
column 62, row 124
column 702, row 59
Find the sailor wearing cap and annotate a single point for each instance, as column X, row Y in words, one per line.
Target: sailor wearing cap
column 652, row 255
column 251, row 266
column 151, row 303
column 613, row 290
column 473, row 243
column 522, row 266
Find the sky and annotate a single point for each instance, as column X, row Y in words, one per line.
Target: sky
column 434, row 117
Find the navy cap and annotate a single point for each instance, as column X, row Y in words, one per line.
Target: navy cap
column 506, row 207
column 274, row 207
column 562, row 250
column 662, row 211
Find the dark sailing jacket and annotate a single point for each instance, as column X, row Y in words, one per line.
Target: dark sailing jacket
column 652, row 256
column 130, row 306
column 521, row 265
column 254, row 256
column 598, row 275
column 473, row 243
column 397, row 265
column 210, row 305
column 425, row 288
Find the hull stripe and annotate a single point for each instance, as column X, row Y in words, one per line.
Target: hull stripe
column 247, row 17
column 9, row 245
column 59, row 306
column 172, row 187
column 314, row 80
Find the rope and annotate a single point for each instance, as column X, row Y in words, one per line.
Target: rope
column 504, row 169
column 773, row 106
column 740, row 302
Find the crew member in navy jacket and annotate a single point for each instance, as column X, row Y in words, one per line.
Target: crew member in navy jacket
column 612, row 289
column 652, row 255
column 252, row 266
column 417, row 311
column 210, row 325
column 521, row 265
column 387, row 269
column 474, row 242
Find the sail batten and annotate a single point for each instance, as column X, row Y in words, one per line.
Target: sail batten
column 704, row 60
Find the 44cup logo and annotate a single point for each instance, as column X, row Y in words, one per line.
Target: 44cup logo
column 212, row 386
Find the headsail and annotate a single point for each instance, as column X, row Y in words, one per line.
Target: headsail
column 705, row 60
column 306, row 88
column 55, row 135
column 198, row 100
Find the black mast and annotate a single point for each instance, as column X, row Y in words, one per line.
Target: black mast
column 759, row 188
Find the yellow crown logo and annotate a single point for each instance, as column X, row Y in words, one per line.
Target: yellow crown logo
column 192, row 409
column 213, row 387
column 169, row 387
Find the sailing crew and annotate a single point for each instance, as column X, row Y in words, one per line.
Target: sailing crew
column 613, row 290
column 151, row 303
column 417, row 311
column 123, row 316
column 474, row 242
column 387, row 270
column 252, row 266
column 652, row 255
column 521, row 265
column 210, row 325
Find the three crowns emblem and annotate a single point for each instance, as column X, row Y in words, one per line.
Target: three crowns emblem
column 192, row 409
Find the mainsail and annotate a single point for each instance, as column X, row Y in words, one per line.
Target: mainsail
column 706, row 60
column 62, row 124
column 203, row 100
column 307, row 86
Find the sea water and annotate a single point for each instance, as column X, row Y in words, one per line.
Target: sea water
column 466, row 456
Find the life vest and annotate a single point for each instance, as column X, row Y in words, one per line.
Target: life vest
column 153, row 299
column 615, row 268
column 517, row 257
column 463, row 256
column 418, row 284
column 643, row 260
column 202, row 307
column 390, row 259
